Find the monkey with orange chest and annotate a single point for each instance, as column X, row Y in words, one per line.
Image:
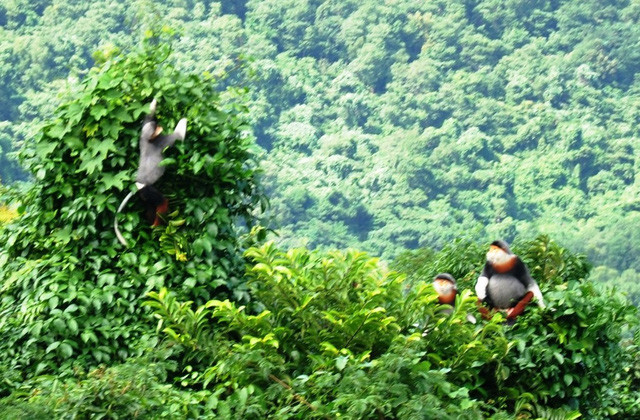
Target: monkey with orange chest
column 446, row 288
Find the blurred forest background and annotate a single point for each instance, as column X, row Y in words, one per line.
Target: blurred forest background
column 390, row 125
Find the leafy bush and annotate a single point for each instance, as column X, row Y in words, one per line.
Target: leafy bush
column 461, row 258
column 135, row 389
column 334, row 334
column 576, row 354
column 69, row 290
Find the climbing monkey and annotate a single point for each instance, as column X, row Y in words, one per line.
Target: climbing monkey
column 152, row 144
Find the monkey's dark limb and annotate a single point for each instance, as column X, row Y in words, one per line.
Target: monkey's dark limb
column 153, row 200
column 512, row 313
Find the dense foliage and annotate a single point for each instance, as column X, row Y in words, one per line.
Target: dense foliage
column 338, row 335
column 69, row 290
column 432, row 126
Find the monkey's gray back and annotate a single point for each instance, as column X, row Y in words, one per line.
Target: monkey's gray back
column 505, row 290
column 150, row 157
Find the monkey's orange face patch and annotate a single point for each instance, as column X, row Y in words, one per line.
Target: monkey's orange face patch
column 500, row 260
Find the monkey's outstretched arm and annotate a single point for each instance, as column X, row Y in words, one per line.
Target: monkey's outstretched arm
column 149, row 124
column 179, row 133
column 152, row 108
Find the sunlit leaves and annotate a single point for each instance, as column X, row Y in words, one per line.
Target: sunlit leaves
column 336, row 332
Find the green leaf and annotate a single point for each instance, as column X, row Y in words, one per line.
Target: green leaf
column 57, row 132
column 60, row 325
column 243, row 396
column 167, row 162
column 53, row 302
column 98, row 112
column 123, row 115
column 66, row 350
column 73, row 326
column 558, row 357
column 568, row 379
column 341, row 362
column 52, row 346
column 87, row 336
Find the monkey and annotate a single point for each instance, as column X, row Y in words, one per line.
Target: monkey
column 447, row 289
column 505, row 283
column 152, row 144
column 445, row 286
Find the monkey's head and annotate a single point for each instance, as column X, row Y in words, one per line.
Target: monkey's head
column 500, row 254
column 445, row 285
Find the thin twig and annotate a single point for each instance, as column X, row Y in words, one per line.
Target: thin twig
column 298, row 397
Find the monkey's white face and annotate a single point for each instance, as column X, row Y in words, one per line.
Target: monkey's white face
column 443, row 287
column 498, row 256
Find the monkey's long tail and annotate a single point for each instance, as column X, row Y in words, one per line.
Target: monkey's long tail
column 115, row 219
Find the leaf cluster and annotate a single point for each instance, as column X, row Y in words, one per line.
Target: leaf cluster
column 577, row 353
column 136, row 389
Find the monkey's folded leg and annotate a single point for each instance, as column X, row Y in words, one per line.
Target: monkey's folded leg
column 162, row 208
column 512, row 313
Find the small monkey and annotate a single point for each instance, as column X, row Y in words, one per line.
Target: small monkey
column 445, row 285
column 447, row 289
column 152, row 144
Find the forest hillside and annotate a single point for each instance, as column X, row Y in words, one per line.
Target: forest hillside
column 391, row 125
column 338, row 155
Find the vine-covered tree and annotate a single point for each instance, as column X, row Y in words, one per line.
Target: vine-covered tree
column 69, row 289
